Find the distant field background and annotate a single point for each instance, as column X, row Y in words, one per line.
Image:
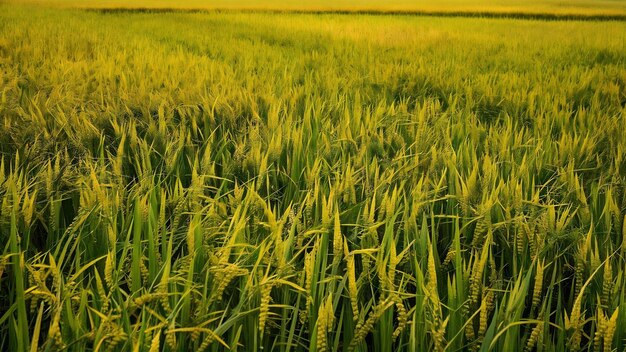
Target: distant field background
column 579, row 7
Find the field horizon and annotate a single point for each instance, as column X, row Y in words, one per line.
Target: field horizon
column 545, row 8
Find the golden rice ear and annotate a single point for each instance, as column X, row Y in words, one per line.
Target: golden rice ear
column 610, row 331
column 601, row 327
column 155, row 343
column 266, row 289
column 338, row 239
column 535, row 336
column 537, row 289
column 353, row 290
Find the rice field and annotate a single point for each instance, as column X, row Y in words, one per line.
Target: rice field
column 247, row 181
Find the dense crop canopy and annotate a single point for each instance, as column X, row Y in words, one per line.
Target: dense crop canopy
column 181, row 181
